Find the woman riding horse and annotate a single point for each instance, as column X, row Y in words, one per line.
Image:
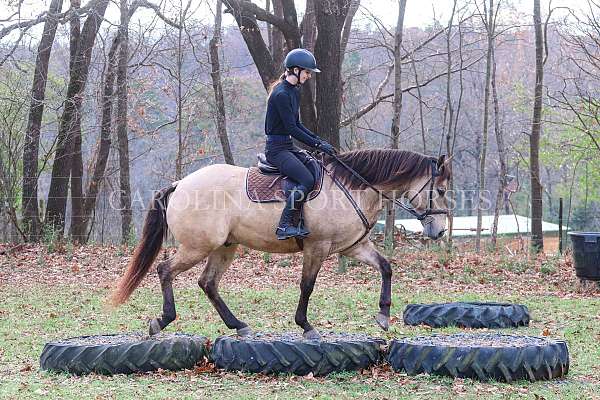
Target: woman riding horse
column 210, row 214
column 282, row 122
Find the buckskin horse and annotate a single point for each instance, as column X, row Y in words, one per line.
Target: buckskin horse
column 210, row 214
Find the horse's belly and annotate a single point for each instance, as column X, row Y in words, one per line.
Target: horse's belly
column 255, row 228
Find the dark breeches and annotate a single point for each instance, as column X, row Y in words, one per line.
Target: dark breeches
column 292, row 163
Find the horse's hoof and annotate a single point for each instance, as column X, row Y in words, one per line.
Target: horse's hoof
column 311, row 335
column 383, row 321
column 245, row 331
column 154, row 327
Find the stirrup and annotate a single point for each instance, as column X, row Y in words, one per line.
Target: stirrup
column 283, row 233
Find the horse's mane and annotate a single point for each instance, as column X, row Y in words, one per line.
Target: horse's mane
column 382, row 167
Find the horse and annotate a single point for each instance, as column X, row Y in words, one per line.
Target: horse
column 209, row 214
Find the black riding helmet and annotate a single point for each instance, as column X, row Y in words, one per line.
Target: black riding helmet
column 302, row 59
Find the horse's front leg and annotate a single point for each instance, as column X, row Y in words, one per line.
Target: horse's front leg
column 313, row 259
column 366, row 253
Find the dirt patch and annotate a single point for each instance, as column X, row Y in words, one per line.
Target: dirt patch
column 330, row 337
column 118, row 339
column 477, row 340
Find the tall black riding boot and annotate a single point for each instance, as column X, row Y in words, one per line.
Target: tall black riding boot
column 286, row 228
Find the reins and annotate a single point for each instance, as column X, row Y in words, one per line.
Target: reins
column 425, row 217
column 410, row 209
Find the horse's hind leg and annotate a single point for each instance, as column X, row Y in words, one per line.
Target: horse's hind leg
column 216, row 265
column 167, row 271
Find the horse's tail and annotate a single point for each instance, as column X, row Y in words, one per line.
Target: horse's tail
column 153, row 234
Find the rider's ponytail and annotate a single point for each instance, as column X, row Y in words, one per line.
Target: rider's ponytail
column 274, row 84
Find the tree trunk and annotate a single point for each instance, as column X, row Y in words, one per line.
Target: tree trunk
column 77, row 217
column 257, row 47
column 278, row 42
column 61, row 168
column 501, row 155
column 330, row 17
column 269, row 27
column 308, row 113
column 122, row 125
column 486, row 106
column 450, row 146
column 354, row 5
column 31, row 219
column 449, row 113
column 215, row 42
column 179, row 54
column 420, row 101
column 395, row 131
column 537, row 238
column 390, row 215
column 353, row 8
column 101, row 157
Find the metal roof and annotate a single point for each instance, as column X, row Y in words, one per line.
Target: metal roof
column 467, row 226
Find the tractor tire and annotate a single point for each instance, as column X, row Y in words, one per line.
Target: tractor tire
column 123, row 353
column 481, row 356
column 291, row 354
column 467, row 315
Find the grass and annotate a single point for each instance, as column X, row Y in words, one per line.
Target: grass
column 31, row 318
column 56, row 293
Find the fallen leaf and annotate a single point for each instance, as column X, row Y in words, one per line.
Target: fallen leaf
column 26, row 368
column 546, row 332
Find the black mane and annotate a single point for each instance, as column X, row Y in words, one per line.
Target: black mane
column 390, row 167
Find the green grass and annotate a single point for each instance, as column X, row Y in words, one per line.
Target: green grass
column 31, row 317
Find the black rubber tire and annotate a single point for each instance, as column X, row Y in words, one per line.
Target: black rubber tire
column 290, row 354
column 467, row 315
column 135, row 353
column 540, row 359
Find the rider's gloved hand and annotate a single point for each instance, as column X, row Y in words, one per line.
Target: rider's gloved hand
column 327, row 148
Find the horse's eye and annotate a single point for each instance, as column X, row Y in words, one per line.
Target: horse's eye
column 441, row 191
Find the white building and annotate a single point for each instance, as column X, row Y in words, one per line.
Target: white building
column 508, row 225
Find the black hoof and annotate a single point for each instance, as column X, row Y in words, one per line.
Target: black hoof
column 154, row 327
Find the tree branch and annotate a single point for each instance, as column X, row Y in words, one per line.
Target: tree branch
column 365, row 109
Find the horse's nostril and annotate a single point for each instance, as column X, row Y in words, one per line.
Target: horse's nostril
column 441, row 233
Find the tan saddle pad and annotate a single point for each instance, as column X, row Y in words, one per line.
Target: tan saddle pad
column 269, row 188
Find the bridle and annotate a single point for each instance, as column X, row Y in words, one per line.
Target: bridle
column 426, row 216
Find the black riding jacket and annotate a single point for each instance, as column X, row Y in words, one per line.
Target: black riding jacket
column 283, row 119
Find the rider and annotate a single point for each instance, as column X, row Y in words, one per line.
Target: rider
column 281, row 124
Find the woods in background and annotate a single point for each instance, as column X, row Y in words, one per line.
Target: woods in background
column 102, row 102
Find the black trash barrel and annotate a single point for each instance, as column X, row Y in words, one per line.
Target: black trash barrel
column 586, row 254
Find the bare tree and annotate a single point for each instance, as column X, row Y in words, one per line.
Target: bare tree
column 78, row 74
column 13, row 112
column 449, row 109
column 390, row 215
column 104, row 145
column 501, row 155
column 330, row 19
column 122, row 126
column 490, row 25
column 31, row 219
column 214, row 44
column 537, row 238
column 395, row 130
column 77, row 200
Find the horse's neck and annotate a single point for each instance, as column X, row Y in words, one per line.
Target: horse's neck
column 369, row 202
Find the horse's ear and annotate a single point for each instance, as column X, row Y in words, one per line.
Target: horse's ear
column 440, row 162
